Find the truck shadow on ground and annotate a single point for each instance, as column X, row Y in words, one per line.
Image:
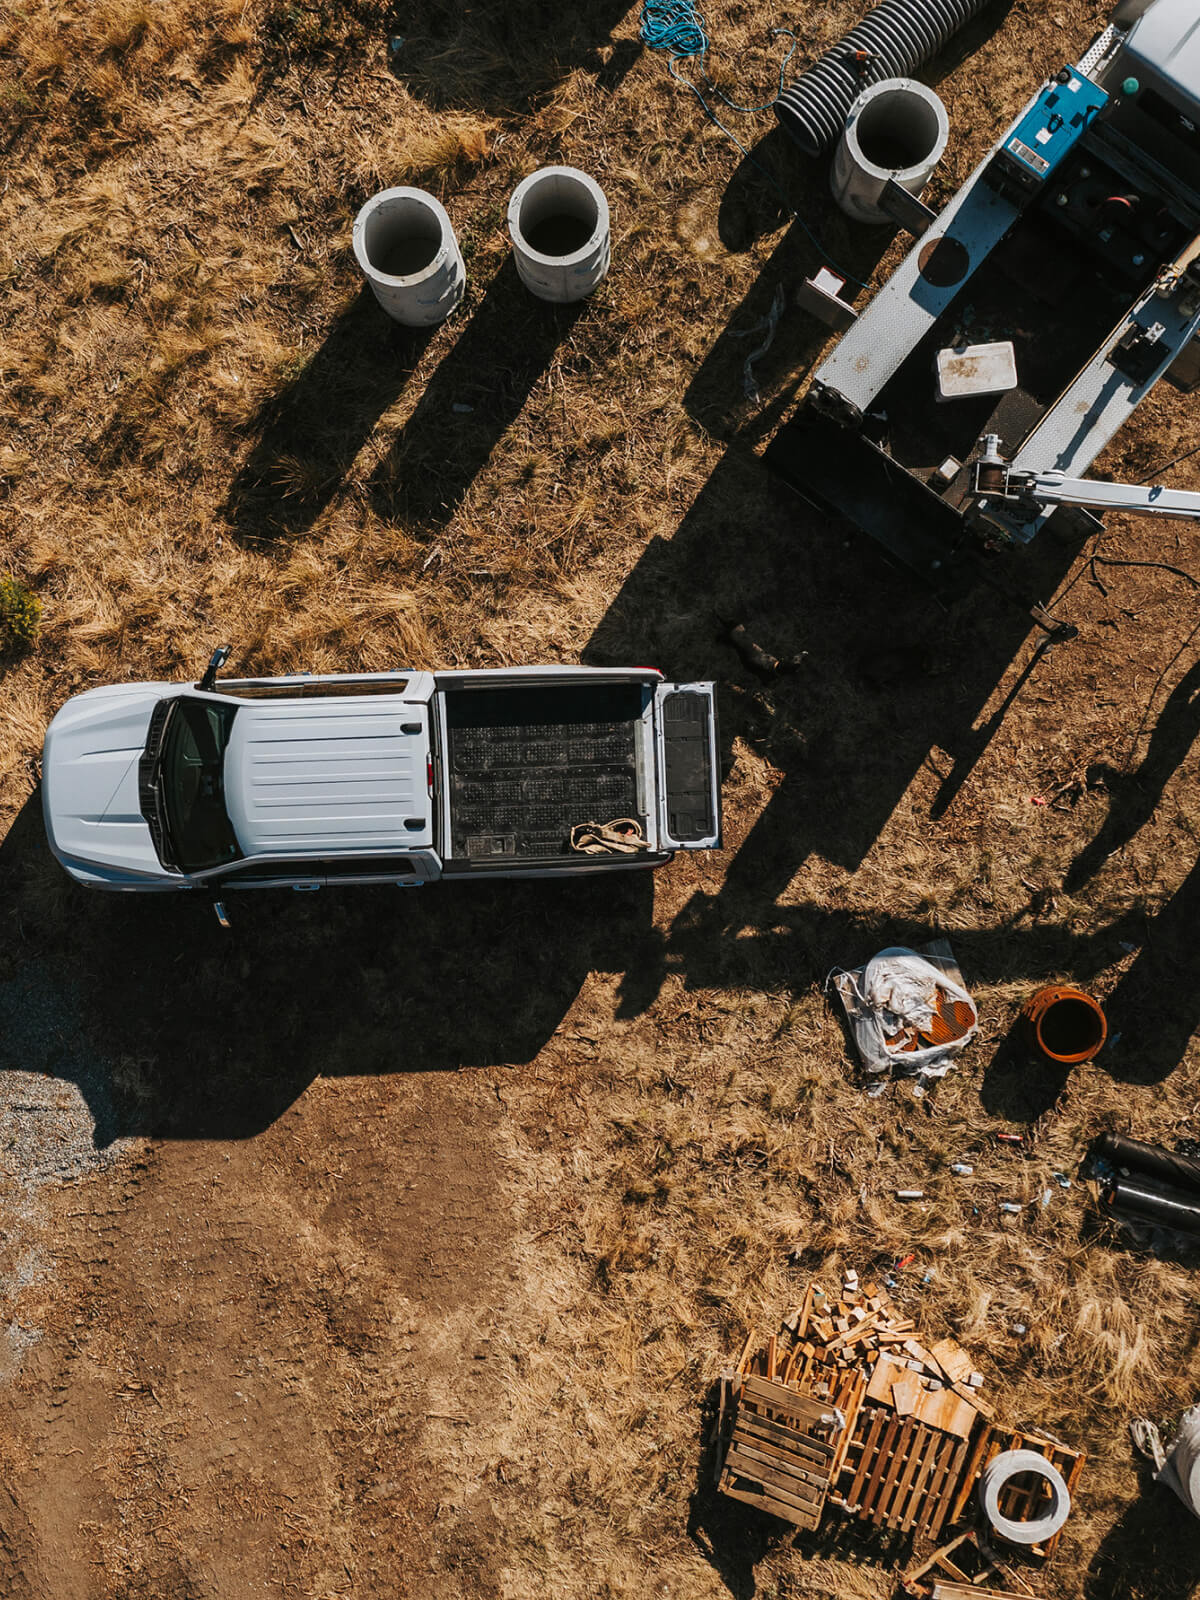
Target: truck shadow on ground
column 846, row 742
column 228, row 1027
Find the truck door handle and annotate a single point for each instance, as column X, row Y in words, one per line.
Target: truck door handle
column 305, row 888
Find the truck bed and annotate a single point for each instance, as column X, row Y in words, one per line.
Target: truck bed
column 525, row 764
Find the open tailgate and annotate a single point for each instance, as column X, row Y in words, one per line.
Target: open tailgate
column 688, row 766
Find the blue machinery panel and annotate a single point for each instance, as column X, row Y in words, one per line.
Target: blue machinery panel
column 1052, row 125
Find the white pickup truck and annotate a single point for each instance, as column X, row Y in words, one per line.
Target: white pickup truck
column 387, row 778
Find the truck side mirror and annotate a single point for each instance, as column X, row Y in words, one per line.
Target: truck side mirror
column 216, row 661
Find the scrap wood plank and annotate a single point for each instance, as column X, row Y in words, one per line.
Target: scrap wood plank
column 969, row 1591
column 907, row 1391
column 754, row 1464
column 849, row 1403
column 953, row 1360
column 810, row 1455
column 873, row 1427
column 884, row 1373
column 756, row 1427
column 799, row 1364
column 779, row 1397
column 755, row 1449
column 918, row 1352
column 805, row 1313
column 719, row 1436
column 974, row 1398
column 798, row 1516
column 796, row 1494
column 942, row 1486
column 942, row 1408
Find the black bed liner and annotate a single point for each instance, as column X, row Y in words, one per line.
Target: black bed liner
column 526, row 764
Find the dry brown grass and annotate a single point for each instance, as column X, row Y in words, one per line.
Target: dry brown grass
column 177, row 300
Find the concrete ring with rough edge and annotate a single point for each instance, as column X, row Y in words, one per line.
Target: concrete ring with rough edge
column 1010, row 1464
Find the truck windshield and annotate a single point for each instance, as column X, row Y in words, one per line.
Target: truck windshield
column 191, row 787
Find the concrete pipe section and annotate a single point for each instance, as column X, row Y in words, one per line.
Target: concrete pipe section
column 1000, row 1472
column 406, row 247
column 896, row 129
column 558, row 223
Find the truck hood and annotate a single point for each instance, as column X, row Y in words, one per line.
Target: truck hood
column 90, row 779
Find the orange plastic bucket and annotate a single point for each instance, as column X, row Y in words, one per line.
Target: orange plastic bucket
column 1065, row 1025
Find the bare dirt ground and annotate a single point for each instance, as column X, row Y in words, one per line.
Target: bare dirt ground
column 390, row 1247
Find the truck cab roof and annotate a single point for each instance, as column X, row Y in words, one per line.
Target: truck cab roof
column 330, row 777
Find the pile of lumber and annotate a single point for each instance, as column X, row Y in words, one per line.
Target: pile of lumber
column 900, row 1427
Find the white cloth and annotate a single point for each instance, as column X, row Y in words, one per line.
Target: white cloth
column 1182, row 1471
column 896, row 990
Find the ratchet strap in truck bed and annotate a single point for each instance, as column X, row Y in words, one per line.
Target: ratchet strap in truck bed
column 624, row 837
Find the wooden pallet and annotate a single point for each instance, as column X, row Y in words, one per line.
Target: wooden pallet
column 780, row 1451
column 899, row 1473
column 1024, row 1503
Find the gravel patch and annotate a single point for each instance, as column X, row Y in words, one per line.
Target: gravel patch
column 57, row 1116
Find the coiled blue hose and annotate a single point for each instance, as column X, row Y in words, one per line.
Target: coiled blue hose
column 677, row 27
column 891, row 41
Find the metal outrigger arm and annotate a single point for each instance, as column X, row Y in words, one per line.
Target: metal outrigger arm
column 992, row 478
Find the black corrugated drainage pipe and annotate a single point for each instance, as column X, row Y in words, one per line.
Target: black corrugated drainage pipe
column 891, row 41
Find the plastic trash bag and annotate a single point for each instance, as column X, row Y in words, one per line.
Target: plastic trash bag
column 908, row 1014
